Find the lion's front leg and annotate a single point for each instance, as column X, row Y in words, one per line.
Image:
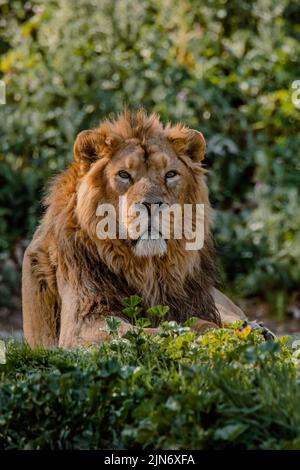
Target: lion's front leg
column 83, row 319
column 41, row 302
column 90, row 330
column 82, row 323
column 86, row 331
column 77, row 330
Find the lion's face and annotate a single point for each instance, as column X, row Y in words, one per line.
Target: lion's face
column 152, row 178
column 141, row 175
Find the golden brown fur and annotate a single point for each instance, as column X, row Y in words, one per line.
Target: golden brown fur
column 72, row 280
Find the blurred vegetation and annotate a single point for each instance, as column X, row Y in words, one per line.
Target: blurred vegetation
column 225, row 389
column 222, row 66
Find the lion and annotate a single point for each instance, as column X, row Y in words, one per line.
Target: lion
column 73, row 280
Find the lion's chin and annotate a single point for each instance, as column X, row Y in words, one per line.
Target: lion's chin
column 150, row 247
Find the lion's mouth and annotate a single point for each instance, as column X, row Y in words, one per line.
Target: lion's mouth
column 150, row 234
column 149, row 243
column 150, row 247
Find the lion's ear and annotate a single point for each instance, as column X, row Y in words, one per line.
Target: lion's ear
column 187, row 141
column 196, row 145
column 94, row 144
column 87, row 146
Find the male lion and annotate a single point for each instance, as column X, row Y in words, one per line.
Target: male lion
column 73, row 280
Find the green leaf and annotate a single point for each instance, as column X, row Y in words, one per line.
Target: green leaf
column 191, row 322
column 230, row 432
column 113, row 324
column 132, row 312
column 2, row 352
column 158, row 311
column 132, row 301
column 143, row 322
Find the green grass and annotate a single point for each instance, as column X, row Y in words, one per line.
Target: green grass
column 177, row 390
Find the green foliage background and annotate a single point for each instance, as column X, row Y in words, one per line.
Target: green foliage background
column 222, row 66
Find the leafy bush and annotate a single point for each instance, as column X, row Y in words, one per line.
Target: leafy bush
column 225, row 67
column 176, row 390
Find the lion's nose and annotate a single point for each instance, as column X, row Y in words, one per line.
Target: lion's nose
column 148, row 204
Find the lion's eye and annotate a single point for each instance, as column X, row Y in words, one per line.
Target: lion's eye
column 124, row 175
column 171, row 174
